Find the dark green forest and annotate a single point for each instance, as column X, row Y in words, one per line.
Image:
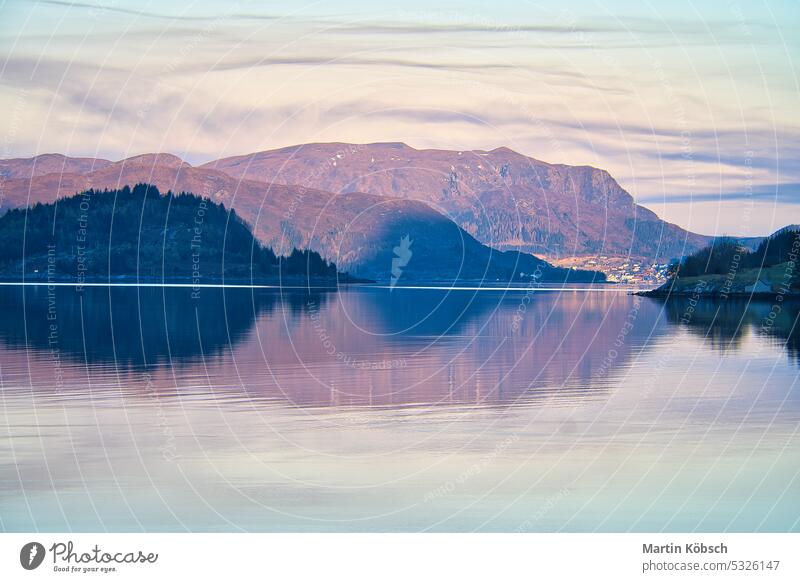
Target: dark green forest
column 142, row 234
column 727, row 253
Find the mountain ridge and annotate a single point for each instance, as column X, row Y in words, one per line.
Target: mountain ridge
column 357, row 231
column 505, row 199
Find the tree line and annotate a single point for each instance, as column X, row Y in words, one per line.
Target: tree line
column 140, row 232
column 726, row 254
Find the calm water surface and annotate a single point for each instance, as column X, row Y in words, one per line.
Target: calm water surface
column 369, row 409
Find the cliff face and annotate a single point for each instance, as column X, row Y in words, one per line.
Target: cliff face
column 502, row 198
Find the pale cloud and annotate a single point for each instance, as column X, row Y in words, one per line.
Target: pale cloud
column 683, row 109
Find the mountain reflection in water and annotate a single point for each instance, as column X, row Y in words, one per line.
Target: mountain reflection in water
column 362, row 346
column 724, row 323
column 365, row 346
column 370, row 409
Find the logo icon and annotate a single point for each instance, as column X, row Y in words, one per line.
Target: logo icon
column 31, row 555
column 402, row 256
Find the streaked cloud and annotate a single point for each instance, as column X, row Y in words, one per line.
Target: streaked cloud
column 114, row 7
column 778, row 193
column 685, row 105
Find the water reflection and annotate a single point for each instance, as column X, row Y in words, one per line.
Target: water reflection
column 136, row 327
column 477, row 347
column 366, row 346
column 724, row 324
column 404, row 410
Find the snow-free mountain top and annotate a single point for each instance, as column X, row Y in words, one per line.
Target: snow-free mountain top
column 22, row 168
column 573, row 215
column 503, row 198
column 357, row 231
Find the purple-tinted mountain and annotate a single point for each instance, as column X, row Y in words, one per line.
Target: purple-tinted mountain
column 504, row 199
column 367, row 235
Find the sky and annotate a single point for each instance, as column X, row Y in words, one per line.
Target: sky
column 694, row 107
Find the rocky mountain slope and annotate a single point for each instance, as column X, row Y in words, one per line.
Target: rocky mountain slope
column 359, row 232
column 502, row 198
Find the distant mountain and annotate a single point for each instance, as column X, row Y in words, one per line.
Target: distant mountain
column 753, row 242
column 504, row 199
column 26, row 168
column 359, row 232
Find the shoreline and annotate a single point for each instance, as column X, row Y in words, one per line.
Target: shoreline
column 761, row 283
column 289, row 281
column 667, row 293
column 466, row 286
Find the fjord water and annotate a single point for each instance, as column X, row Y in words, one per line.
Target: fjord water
column 374, row 409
